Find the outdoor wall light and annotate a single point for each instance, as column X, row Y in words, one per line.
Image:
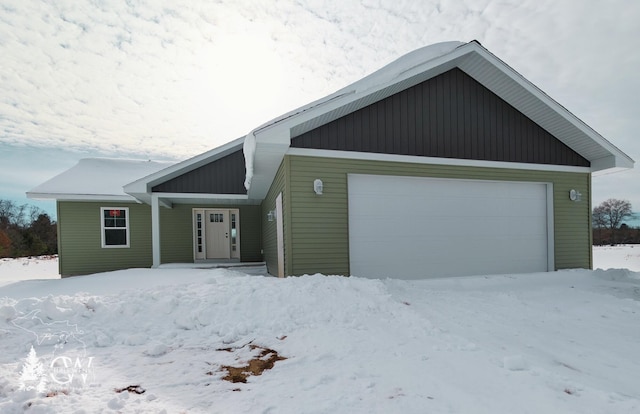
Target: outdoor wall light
column 271, row 215
column 575, row 195
column 318, row 186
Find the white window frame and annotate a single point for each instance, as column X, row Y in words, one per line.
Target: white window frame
column 103, row 228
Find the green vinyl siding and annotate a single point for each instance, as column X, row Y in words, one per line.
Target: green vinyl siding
column 319, row 236
column 250, row 234
column 176, row 234
column 80, row 244
column 269, row 239
column 79, row 238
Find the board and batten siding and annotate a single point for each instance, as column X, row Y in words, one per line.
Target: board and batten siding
column 318, row 240
column 222, row 176
column 80, row 242
column 176, row 232
column 269, row 235
column 449, row 116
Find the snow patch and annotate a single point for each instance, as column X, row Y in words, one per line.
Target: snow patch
column 515, row 363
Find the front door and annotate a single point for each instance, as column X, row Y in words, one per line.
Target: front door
column 216, row 234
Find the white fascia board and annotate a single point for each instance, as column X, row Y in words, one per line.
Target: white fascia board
column 144, row 184
column 610, row 164
column 168, row 199
column 207, row 196
column 81, row 197
column 412, row 159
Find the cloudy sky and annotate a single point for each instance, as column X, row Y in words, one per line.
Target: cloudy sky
column 167, row 80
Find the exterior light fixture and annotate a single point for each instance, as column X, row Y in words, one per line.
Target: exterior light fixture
column 271, row 215
column 317, row 186
column 575, row 195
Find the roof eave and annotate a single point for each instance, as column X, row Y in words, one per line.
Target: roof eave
column 81, row 197
column 610, row 164
column 590, row 144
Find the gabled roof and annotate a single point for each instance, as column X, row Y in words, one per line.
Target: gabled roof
column 141, row 188
column 265, row 146
column 95, row 179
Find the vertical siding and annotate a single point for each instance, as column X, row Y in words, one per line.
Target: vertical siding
column 269, row 237
column 176, row 232
column 449, row 116
column 223, row 176
column 319, row 236
column 80, row 242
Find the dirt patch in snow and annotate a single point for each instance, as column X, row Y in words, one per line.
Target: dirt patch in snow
column 136, row 389
column 265, row 360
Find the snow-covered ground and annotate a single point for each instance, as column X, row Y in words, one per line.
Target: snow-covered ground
column 27, row 268
column 168, row 340
column 616, row 257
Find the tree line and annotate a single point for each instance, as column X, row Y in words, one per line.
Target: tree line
column 608, row 226
column 26, row 230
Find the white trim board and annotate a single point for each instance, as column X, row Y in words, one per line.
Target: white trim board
column 82, row 197
column 412, row 159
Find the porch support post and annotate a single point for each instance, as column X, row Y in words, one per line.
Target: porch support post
column 155, row 229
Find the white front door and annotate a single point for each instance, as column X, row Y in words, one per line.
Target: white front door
column 216, row 234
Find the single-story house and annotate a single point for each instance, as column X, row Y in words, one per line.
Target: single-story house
column 445, row 162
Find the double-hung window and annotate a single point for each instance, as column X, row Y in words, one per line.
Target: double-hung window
column 114, row 223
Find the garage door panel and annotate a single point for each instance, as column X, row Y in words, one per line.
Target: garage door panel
column 417, row 227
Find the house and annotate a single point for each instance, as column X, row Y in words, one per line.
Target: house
column 445, row 162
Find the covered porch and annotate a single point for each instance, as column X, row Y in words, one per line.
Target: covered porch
column 205, row 230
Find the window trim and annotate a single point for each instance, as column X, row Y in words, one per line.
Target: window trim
column 103, row 228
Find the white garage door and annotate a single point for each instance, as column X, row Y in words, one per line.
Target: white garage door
column 414, row 228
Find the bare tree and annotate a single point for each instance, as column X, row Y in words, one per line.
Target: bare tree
column 598, row 223
column 25, row 230
column 610, row 214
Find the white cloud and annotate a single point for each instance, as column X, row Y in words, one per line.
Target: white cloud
column 172, row 79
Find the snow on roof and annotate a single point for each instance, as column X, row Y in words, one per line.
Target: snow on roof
column 403, row 64
column 383, row 76
column 411, row 69
column 96, row 179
